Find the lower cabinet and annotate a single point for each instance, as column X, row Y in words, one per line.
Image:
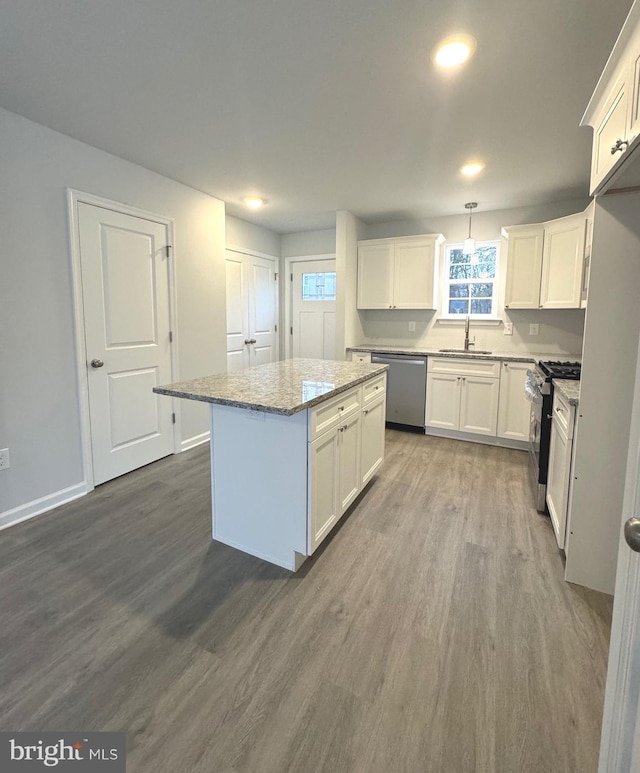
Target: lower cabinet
column 463, row 395
column 514, row 410
column 342, row 459
column 560, row 457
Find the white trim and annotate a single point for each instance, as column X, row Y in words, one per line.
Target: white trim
column 288, row 299
column 42, row 505
column 75, row 197
column 196, row 440
column 473, row 437
column 248, row 251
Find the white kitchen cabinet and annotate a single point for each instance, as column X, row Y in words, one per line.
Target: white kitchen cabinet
column 514, row 410
column 614, row 111
column 372, row 449
column 462, row 395
column 524, row 266
column 545, row 264
column 360, row 356
column 560, row 456
column 399, row 273
column 346, row 449
column 479, row 405
column 562, row 262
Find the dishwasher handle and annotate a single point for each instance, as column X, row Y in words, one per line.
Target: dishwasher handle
column 403, row 359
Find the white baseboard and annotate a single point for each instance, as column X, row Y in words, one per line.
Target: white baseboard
column 39, row 506
column 472, row 437
column 196, row 440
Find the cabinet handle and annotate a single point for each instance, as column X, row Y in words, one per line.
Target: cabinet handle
column 390, row 306
column 458, row 378
column 341, row 408
column 365, row 412
column 620, row 145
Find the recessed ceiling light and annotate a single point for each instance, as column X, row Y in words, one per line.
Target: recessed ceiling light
column 253, row 202
column 472, row 168
column 454, row 50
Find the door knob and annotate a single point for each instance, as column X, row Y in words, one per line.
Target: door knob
column 632, row 534
column 97, row 363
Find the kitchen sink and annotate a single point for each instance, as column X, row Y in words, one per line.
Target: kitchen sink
column 465, row 351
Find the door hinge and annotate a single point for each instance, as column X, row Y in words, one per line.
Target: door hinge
column 171, row 336
column 275, row 277
column 168, row 250
column 275, row 328
column 292, row 277
column 173, row 418
column 291, row 330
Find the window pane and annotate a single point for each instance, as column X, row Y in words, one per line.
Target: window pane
column 459, row 291
column 320, row 286
column 460, row 271
column 483, row 271
column 458, row 307
column 481, row 306
column 457, row 256
column 482, row 290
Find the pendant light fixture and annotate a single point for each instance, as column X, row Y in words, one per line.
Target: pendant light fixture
column 469, row 246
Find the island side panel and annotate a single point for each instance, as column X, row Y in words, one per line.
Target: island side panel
column 259, row 483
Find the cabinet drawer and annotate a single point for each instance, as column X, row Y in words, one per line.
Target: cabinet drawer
column 562, row 415
column 464, row 367
column 360, row 356
column 328, row 414
column 373, row 389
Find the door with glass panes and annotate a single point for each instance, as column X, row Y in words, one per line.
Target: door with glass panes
column 313, row 309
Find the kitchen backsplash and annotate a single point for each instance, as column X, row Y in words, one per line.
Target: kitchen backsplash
column 559, row 331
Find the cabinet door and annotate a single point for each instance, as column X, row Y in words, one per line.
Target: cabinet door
column 443, row 400
column 360, row 357
column 479, row 405
column 610, row 126
column 558, row 481
column 514, row 410
column 349, row 443
column 524, row 267
column 414, row 276
column 372, row 454
column 375, row 276
column 562, row 263
column 323, row 487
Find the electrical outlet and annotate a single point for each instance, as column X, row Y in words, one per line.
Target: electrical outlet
column 534, row 329
column 4, row 459
column 412, row 327
column 508, row 328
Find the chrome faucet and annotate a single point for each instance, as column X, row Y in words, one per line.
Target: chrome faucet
column 467, row 342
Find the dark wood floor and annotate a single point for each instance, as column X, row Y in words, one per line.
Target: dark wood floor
column 432, row 632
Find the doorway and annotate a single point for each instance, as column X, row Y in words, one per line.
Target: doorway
column 313, row 308
column 123, row 282
column 252, row 310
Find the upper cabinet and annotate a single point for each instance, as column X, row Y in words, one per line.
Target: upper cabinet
column 399, row 273
column 546, row 264
column 614, row 113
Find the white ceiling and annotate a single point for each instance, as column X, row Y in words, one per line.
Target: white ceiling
column 320, row 105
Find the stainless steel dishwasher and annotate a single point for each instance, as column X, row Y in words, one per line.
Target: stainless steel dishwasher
column 406, row 387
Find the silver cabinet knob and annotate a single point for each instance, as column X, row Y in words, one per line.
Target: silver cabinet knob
column 97, row 363
column 632, row 534
column 620, row 145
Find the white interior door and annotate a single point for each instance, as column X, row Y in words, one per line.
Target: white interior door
column 237, row 312
column 620, row 747
column 125, row 288
column 313, row 309
column 252, row 310
column 263, row 310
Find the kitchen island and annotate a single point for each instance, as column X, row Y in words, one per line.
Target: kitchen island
column 293, row 443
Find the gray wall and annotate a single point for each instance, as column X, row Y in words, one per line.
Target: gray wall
column 309, row 243
column 249, row 237
column 39, row 402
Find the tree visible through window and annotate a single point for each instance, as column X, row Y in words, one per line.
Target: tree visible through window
column 470, row 280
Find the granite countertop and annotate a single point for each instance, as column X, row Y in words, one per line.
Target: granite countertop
column 513, row 356
column 569, row 389
column 284, row 387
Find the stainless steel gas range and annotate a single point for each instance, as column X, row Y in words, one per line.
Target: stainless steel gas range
column 539, row 389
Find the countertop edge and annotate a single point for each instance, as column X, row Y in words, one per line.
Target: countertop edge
column 252, row 406
column 569, row 389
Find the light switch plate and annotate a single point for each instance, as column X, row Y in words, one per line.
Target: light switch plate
column 412, row 327
column 508, row 328
column 534, row 329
